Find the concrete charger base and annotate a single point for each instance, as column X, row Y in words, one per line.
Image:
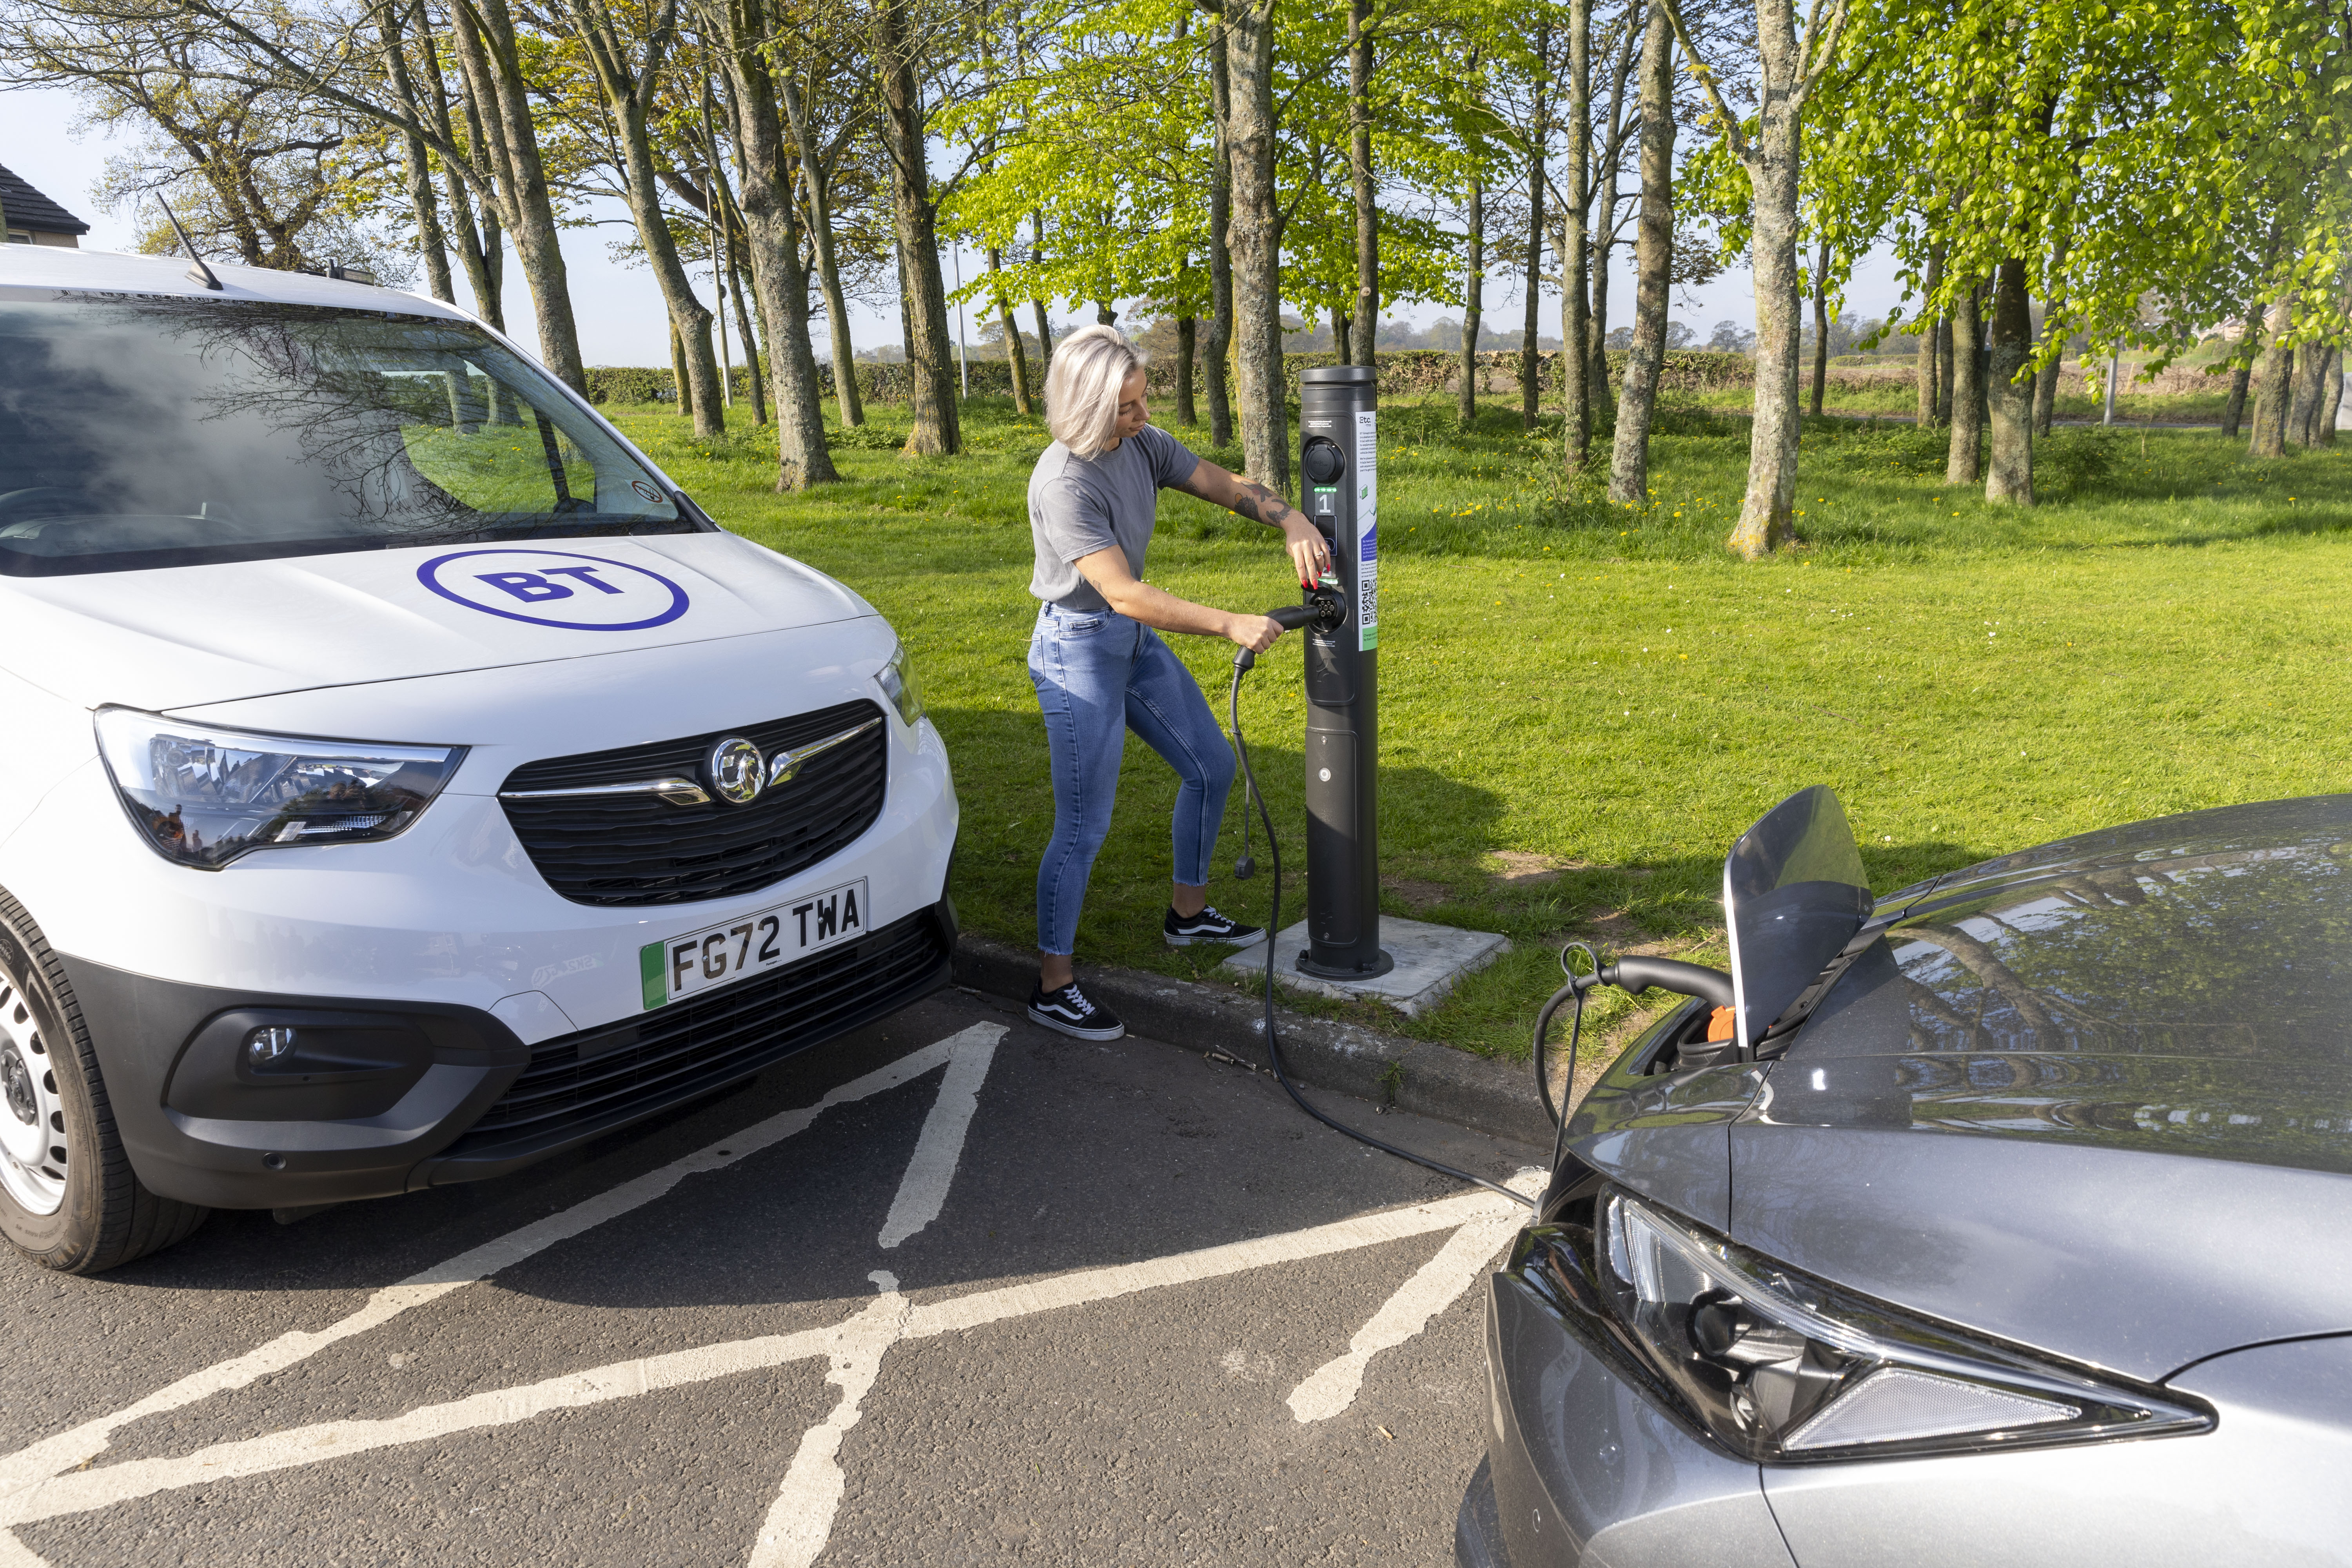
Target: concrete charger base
column 1428, row 960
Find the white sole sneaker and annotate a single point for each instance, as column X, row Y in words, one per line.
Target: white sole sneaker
column 1076, row 1031
column 1236, row 942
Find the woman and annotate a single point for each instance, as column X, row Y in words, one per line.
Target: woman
column 1097, row 662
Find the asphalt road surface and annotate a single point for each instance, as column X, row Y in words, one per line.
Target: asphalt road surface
column 953, row 1291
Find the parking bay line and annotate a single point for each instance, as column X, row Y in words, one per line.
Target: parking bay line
column 81, row 1491
column 1435, row 1286
column 29, row 1467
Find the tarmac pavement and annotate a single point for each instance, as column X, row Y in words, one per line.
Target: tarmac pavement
column 954, row 1289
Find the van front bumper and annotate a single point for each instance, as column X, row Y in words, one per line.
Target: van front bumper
column 380, row 1097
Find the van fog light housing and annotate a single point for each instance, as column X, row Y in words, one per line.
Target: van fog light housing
column 202, row 796
column 269, row 1045
column 1781, row 1367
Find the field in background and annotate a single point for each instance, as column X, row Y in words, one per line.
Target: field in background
column 1583, row 704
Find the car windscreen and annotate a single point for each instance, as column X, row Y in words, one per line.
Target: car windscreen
column 144, row 431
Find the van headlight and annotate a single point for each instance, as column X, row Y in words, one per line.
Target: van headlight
column 1781, row 1367
column 202, row 796
column 897, row 679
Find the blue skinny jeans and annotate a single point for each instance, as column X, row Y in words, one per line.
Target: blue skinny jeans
column 1100, row 674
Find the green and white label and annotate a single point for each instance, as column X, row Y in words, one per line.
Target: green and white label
column 1368, row 532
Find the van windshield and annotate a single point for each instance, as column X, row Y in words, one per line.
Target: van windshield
column 143, row 431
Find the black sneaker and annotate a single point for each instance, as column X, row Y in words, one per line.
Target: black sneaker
column 1075, row 1014
column 1184, row 930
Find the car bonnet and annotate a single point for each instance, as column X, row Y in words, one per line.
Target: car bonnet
column 180, row 636
column 2094, row 1097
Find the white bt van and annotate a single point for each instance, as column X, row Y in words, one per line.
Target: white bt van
column 405, row 780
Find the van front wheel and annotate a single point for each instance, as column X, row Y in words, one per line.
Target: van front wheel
column 69, row 1199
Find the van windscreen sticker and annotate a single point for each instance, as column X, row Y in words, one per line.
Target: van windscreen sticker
column 555, row 588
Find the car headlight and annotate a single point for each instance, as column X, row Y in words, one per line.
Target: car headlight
column 1781, row 1367
column 202, row 796
column 897, row 679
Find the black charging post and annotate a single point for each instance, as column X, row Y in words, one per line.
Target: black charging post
column 1338, row 417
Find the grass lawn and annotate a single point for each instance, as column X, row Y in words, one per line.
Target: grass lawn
column 1582, row 705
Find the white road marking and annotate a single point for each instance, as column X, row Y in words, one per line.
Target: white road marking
column 984, row 1307
column 42, row 1481
column 924, row 1188
column 1435, row 1286
column 800, row 1522
column 83, row 1491
column 79, row 1445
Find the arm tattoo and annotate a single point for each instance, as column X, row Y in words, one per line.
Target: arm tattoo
column 1260, row 504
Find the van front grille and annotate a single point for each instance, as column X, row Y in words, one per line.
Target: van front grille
column 615, row 850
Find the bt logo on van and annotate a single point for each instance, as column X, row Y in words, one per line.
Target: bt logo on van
column 555, row 588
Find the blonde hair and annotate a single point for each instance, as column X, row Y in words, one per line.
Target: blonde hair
column 1082, row 386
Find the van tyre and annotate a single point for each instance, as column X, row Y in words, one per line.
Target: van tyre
column 69, row 1199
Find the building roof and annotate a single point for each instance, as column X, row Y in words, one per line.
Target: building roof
column 28, row 209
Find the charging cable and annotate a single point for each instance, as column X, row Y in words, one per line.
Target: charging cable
column 1294, row 618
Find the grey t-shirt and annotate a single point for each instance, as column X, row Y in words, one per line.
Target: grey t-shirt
column 1079, row 505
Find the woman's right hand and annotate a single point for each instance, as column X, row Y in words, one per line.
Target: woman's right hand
column 1255, row 633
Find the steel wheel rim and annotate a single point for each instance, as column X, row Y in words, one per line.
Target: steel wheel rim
column 32, row 1147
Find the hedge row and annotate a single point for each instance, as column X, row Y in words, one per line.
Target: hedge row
column 1406, row 373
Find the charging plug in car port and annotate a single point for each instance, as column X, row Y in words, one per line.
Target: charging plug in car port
column 1704, row 1040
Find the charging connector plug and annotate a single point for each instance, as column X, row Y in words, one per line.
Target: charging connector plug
column 1324, row 611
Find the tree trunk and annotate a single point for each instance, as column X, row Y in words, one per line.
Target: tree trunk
column 2045, row 379
column 2233, row 414
column 931, row 349
column 818, row 185
column 1767, row 511
column 1366, row 312
column 1256, row 230
column 1605, row 216
column 1186, row 415
column 480, row 250
column 1924, row 374
column 1654, row 255
column 1968, row 393
column 1217, row 351
column 2278, row 374
column 1530, row 367
column 2331, row 399
column 2303, row 413
column 1596, row 328
column 1343, row 343
column 2009, row 388
column 491, row 57
column 772, row 229
column 680, row 383
column 1575, row 304
column 1820, row 327
column 1944, row 370
column 732, row 230
column 754, row 368
column 1016, row 358
column 1473, row 293
column 432, row 244
column 626, row 89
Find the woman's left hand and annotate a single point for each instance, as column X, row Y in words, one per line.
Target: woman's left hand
column 1309, row 552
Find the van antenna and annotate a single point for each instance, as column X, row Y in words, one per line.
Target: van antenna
column 197, row 271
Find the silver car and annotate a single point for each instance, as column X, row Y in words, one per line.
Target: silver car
column 2012, row 1224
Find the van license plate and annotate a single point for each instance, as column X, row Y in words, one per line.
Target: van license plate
column 770, row 938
